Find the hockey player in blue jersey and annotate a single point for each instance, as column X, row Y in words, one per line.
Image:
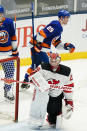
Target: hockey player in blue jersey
column 51, row 34
column 8, row 47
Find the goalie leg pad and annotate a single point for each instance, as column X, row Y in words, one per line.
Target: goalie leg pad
column 54, row 108
column 39, row 104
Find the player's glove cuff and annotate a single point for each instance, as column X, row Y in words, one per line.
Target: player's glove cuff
column 15, row 53
column 37, row 48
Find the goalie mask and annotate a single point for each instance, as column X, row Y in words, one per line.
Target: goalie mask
column 54, row 60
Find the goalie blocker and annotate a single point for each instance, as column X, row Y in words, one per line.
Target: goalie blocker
column 51, row 100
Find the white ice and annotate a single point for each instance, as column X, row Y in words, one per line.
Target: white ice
column 78, row 121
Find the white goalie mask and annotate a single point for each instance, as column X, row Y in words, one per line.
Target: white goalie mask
column 54, row 60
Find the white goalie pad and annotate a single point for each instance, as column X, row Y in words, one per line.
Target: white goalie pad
column 39, row 105
column 40, row 82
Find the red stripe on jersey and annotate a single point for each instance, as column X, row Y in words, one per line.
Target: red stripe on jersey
column 67, row 91
column 70, row 85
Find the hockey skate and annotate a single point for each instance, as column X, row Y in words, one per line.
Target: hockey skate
column 9, row 96
column 25, row 85
column 47, row 125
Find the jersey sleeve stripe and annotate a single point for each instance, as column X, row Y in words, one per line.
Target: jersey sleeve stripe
column 43, row 33
column 45, row 45
column 56, row 43
column 13, row 38
column 65, row 91
column 42, row 44
column 70, row 85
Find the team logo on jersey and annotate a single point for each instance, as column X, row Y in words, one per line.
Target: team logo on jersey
column 3, row 36
column 53, row 81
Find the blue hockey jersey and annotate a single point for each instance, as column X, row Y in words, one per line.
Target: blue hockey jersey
column 7, row 35
column 51, row 33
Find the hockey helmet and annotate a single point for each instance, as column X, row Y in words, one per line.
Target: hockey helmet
column 63, row 13
column 54, row 56
column 54, row 59
column 1, row 9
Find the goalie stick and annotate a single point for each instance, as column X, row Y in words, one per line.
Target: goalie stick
column 51, row 85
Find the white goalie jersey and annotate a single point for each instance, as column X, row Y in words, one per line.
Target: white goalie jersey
column 58, row 82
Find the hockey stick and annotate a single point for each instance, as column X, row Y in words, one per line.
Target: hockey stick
column 11, row 80
column 32, row 10
column 51, row 85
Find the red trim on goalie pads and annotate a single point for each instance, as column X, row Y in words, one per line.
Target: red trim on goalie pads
column 34, row 94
